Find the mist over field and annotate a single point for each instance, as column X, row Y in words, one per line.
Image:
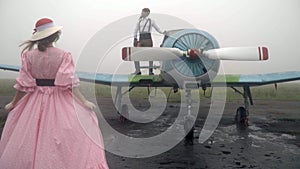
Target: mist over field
column 272, row 23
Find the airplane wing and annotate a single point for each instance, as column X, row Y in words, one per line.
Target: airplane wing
column 235, row 80
column 123, row 80
column 10, row 67
column 232, row 80
column 110, row 79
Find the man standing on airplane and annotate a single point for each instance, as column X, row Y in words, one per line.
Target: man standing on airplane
column 144, row 27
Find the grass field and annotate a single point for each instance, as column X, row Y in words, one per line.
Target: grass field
column 284, row 92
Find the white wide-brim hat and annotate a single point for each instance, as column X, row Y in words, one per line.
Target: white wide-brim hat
column 44, row 28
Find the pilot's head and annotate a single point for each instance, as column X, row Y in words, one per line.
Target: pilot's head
column 145, row 12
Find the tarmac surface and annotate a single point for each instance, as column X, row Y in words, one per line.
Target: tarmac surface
column 272, row 139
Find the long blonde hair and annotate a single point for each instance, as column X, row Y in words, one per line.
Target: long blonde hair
column 42, row 44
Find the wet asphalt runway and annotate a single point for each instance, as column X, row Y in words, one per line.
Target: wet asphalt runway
column 271, row 140
column 268, row 142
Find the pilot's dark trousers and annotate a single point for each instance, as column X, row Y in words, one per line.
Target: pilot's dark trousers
column 145, row 41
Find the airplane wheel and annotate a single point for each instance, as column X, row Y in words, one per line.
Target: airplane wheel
column 189, row 129
column 189, row 138
column 241, row 117
column 122, row 119
column 124, row 113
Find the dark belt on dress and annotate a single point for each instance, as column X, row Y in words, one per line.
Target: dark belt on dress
column 144, row 36
column 45, row 82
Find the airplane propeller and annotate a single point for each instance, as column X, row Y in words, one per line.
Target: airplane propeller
column 162, row 54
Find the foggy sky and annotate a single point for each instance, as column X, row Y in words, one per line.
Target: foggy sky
column 272, row 23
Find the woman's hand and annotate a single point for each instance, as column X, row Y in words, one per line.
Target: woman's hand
column 89, row 105
column 9, row 106
column 18, row 96
column 82, row 99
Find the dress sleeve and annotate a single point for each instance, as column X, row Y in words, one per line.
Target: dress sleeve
column 25, row 82
column 66, row 76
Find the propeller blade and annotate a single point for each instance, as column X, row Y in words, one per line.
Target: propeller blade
column 162, row 54
column 151, row 53
column 238, row 53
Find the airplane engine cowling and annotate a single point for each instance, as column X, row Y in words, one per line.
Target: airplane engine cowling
column 190, row 69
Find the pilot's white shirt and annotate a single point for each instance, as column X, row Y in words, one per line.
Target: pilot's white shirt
column 148, row 28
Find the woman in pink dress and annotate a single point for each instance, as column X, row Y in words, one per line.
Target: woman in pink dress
column 50, row 125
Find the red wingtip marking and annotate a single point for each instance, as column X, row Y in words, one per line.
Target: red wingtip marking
column 124, row 53
column 265, row 53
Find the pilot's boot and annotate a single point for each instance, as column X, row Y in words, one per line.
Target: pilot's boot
column 136, row 73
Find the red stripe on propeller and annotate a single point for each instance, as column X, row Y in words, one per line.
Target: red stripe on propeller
column 124, row 53
column 265, row 53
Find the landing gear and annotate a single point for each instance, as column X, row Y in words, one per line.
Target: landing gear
column 189, row 121
column 122, row 109
column 242, row 113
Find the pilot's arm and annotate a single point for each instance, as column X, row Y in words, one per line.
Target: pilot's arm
column 135, row 34
column 155, row 26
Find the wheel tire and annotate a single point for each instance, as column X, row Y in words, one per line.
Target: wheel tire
column 241, row 117
column 189, row 138
column 124, row 115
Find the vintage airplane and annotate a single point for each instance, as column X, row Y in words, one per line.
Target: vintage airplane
column 189, row 55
